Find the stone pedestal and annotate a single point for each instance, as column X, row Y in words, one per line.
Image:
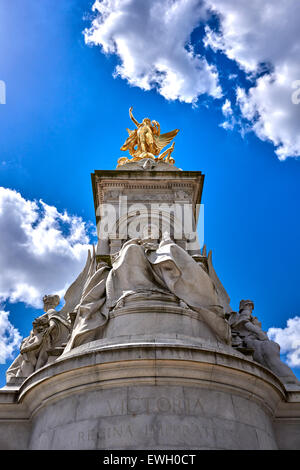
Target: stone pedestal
column 155, row 389
column 137, row 196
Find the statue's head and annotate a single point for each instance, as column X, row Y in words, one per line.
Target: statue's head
column 50, row 301
column 166, row 237
column 147, row 121
column 246, row 303
column 150, row 232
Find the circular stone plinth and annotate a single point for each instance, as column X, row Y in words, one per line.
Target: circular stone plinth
column 151, row 395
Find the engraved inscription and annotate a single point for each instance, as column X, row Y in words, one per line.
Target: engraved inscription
column 159, row 430
column 151, row 404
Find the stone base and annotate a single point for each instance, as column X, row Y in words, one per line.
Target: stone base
column 150, row 395
column 158, row 320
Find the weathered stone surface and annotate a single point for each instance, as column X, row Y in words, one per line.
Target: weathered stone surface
column 287, row 432
column 14, row 434
column 146, row 398
column 149, row 416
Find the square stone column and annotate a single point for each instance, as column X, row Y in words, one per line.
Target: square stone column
column 144, row 204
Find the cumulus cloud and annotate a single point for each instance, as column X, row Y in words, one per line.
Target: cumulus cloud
column 289, row 340
column 152, row 39
column 41, row 249
column 230, row 120
column 153, row 42
column 263, row 38
column 10, row 338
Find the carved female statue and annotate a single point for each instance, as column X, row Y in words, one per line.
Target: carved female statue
column 139, row 268
column 266, row 351
column 49, row 331
column 145, row 134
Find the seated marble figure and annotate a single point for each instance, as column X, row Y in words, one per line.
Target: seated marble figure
column 140, row 267
column 49, row 333
column 247, row 333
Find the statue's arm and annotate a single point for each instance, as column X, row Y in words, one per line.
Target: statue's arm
column 31, row 343
column 156, row 127
column 133, row 118
column 256, row 322
column 259, row 333
column 51, row 328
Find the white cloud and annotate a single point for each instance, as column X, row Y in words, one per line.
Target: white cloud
column 152, row 40
column 226, row 108
column 230, row 121
column 264, row 35
column 41, row 249
column 289, row 340
column 10, row 338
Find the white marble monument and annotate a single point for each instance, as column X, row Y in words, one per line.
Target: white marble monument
column 147, row 352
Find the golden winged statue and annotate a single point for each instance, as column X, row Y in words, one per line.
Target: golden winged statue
column 147, row 142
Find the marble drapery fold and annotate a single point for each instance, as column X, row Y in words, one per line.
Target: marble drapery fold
column 189, row 282
column 92, row 312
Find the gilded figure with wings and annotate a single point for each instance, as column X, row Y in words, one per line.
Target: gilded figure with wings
column 147, row 142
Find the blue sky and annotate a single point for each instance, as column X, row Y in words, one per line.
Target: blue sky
column 66, row 115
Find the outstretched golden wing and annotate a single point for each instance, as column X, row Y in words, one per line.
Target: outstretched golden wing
column 164, row 139
column 131, row 141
